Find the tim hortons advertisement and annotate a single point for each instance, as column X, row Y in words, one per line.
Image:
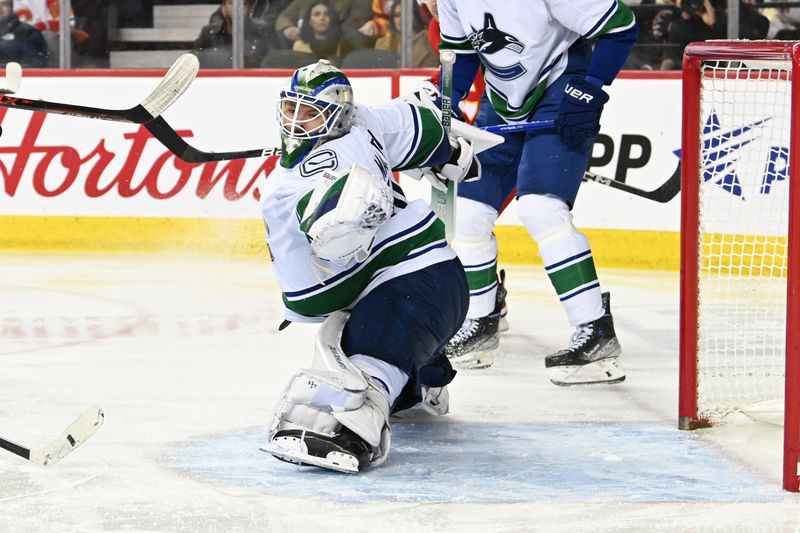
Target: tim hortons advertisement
column 63, row 165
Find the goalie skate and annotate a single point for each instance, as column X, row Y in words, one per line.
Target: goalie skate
column 343, row 452
column 592, row 355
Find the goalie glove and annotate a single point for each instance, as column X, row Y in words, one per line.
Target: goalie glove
column 345, row 212
column 463, row 165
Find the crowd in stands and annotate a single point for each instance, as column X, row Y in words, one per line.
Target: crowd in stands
column 284, row 33
column 322, row 29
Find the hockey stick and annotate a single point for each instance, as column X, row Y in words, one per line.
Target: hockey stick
column 13, row 77
column 662, row 194
column 81, row 429
column 443, row 203
column 172, row 86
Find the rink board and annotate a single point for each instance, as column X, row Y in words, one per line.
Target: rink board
column 73, row 184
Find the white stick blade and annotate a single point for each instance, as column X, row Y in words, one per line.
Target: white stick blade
column 175, row 82
column 13, row 77
column 81, row 429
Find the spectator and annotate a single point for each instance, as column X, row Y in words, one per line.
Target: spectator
column 353, row 15
column 653, row 44
column 320, row 33
column 19, row 41
column 700, row 21
column 44, row 16
column 783, row 22
column 378, row 25
column 422, row 55
column 268, row 11
column 217, row 35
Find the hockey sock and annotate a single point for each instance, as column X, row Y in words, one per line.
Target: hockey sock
column 566, row 255
column 476, row 247
column 388, row 375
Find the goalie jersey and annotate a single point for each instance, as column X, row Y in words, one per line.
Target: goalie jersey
column 522, row 44
column 386, row 138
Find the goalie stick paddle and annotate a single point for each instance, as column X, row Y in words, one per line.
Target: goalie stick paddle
column 76, row 433
column 443, row 203
column 172, row 86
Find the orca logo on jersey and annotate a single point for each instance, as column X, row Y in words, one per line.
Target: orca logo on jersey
column 489, row 40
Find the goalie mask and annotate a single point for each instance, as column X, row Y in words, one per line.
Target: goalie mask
column 316, row 106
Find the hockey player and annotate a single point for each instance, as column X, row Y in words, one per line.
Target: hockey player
column 349, row 250
column 538, row 64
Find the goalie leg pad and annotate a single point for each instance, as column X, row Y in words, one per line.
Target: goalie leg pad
column 330, row 414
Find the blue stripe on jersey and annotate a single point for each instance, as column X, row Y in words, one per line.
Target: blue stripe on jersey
column 567, row 260
column 483, row 291
column 415, row 138
column 584, row 289
column 453, row 39
column 603, row 19
column 481, row 265
column 345, row 273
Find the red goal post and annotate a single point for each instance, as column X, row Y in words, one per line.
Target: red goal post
column 740, row 240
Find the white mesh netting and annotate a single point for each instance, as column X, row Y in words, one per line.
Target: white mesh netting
column 743, row 228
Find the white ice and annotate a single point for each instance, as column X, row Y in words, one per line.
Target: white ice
column 183, row 355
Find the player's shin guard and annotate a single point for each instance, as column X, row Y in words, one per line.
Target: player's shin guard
column 476, row 246
column 331, row 415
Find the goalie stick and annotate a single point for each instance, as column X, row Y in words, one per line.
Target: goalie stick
column 172, row 86
column 443, row 203
column 76, row 433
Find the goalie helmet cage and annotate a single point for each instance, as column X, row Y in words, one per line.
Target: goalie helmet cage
column 740, row 236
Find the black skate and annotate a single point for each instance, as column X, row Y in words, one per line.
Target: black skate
column 500, row 306
column 344, row 451
column 472, row 345
column 592, row 355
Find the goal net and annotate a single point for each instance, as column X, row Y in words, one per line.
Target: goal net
column 737, row 249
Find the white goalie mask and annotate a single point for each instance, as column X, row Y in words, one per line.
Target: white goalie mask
column 317, row 105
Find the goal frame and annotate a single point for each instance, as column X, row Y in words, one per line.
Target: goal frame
column 691, row 135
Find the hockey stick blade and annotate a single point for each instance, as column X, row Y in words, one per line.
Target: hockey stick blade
column 662, row 194
column 76, row 433
column 172, row 86
column 12, row 80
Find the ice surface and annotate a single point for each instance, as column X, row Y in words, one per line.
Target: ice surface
column 184, row 357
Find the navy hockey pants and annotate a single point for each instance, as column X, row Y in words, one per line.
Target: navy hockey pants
column 406, row 322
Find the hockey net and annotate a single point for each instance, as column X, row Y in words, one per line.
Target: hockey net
column 739, row 198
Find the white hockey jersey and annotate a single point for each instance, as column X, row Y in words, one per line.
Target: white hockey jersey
column 384, row 138
column 523, row 44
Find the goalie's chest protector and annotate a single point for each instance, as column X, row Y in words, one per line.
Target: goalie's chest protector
column 521, row 43
column 412, row 238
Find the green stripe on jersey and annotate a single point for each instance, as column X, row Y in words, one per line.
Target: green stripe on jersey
column 342, row 294
column 483, row 278
column 622, row 19
column 456, row 46
column 431, row 134
column 306, row 219
column 502, row 108
column 573, row 276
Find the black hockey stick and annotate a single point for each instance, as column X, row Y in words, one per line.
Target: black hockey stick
column 172, row 86
column 81, row 429
column 162, row 131
column 663, row 193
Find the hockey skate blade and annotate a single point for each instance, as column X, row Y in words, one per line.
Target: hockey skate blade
column 81, row 429
column 294, row 450
column 474, row 360
column 603, row 372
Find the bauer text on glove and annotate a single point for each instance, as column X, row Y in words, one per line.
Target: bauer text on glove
column 578, row 118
